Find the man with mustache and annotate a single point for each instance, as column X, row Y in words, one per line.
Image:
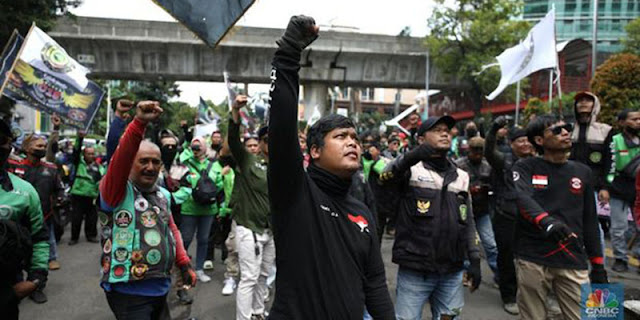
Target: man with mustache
column 328, row 258
column 625, row 150
column 140, row 241
column 557, row 229
column 435, row 228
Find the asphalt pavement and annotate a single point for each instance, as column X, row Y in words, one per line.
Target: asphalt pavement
column 74, row 291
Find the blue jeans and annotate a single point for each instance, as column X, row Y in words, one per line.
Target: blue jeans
column 485, row 231
column 53, row 247
column 188, row 228
column 620, row 229
column 442, row 291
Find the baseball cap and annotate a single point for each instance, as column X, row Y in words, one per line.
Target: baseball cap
column 516, row 133
column 583, row 94
column 433, row 121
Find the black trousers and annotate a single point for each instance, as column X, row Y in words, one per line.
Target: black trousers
column 83, row 209
column 130, row 307
column 504, row 229
column 219, row 232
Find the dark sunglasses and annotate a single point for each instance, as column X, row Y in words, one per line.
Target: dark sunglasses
column 558, row 129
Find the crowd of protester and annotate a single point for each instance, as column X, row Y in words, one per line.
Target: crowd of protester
column 304, row 212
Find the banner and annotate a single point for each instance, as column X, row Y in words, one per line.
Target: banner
column 8, row 57
column 210, row 20
column 49, row 94
column 536, row 52
column 45, row 54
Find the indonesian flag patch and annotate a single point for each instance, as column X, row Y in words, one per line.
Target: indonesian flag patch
column 539, row 181
column 360, row 221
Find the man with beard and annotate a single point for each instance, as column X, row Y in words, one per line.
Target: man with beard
column 557, row 228
column 135, row 269
column 328, row 258
column 590, row 145
column 625, row 150
column 505, row 208
column 435, row 228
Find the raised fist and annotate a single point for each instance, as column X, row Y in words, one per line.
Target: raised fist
column 122, row 108
column 301, row 32
column 500, row 122
column 148, row 111
column 240, row 101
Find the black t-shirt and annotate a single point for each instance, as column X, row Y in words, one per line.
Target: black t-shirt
column 564, row 192
column 327, row 253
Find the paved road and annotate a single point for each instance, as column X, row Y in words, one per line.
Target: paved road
column 74, row 292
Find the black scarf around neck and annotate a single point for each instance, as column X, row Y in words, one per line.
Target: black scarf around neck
column 328, row 182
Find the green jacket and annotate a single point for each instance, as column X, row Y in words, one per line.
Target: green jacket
column 227, row 182
column 22, row 205
column 250, row 201
column 190, row 180
column 87, row 177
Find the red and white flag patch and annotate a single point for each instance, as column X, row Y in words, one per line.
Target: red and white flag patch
column 360, row 221
column 539, row 181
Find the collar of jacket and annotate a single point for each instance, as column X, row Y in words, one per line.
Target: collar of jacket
column 328, row 182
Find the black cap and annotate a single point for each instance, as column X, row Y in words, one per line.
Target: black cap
column 516, row 133
column 263, row 132
column 433, row 121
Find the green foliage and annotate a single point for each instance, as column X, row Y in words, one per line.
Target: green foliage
column 20, row 14
column 471, row 33
column 370, row 121
column 536, row 107
column 617, row 85
column 632, row 41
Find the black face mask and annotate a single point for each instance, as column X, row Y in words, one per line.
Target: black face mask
column 633, row 131
column 472, row 133
column 167, row 154
column 216, row 147
column 38, row 153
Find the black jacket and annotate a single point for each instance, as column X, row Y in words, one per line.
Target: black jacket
column 435, row 229
column 480, row 184
column 328, row 257
column 564, row 192
column 501, row 163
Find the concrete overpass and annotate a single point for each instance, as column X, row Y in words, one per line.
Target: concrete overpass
column 153, row 50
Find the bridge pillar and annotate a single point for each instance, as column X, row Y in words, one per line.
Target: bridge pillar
column 315, row 94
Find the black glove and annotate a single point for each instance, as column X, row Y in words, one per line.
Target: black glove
column 499, row 122
column 555, row 229
column 38, row 276
column 188, row 275
column 301, row 32
column 474, row 273
column 598, row 274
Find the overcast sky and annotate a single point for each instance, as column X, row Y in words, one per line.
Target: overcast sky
column 367, row 16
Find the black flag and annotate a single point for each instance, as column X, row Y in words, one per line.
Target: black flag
column 208, row 19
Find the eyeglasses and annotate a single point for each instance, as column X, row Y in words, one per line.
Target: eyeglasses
column 556, row 130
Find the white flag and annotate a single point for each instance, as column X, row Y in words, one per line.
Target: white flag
column 315, row 116
column 536, row 52
column 43, row 53
column 231, row 94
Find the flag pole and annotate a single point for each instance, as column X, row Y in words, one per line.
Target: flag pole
column 550, row 89
column 517, row 101
column 594, row 44
column 425, row 115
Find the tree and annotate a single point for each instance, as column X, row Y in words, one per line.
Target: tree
column 617, row 85
column 471, row 33
column 21, row 14
column 632, row 41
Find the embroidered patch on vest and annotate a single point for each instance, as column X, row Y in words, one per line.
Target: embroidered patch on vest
column 148, row 218
column 152, row 237
column 154, row 256
column 463, row 212
column 123, row 218
column 423, row 206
